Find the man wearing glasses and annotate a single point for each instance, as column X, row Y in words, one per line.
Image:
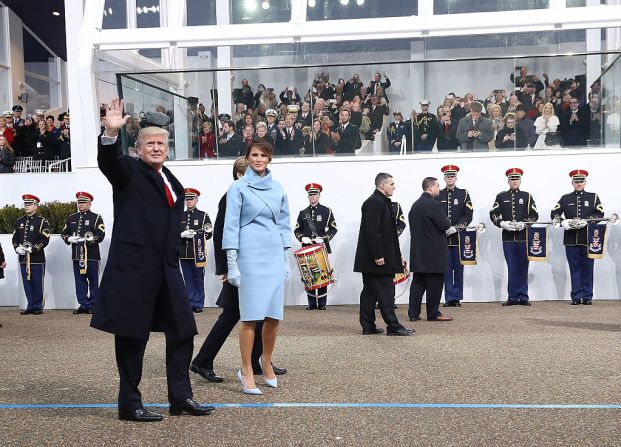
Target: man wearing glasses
column 575, row 125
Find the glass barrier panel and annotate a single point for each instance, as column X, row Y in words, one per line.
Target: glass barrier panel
column 260, row 11
column 460, row 7
column 115, row 14
column 359, row 9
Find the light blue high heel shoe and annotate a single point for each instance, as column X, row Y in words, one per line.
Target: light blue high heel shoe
column 254, row 391
column 272, row 383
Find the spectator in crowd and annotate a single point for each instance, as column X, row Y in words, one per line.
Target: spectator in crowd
column 377, row 82
column 497, row 97
column 346, row 136
column 231, row 144
column 259, row 114
column 327, row 125
column 247, row 120
column 29, row 132
column 45, row 146
column 282, row 110
column 7, row 156
column 257, row 96
column 65, row 140
column 377, row 112
column 521, row 79
column 575, row 125
column 474, row 131
column 263, row 133
column 268, row 99
column 447, row 130
column 527, row 126
column 595, row 112
column 131, row 130
column 317, row 142
column 305, row 117
column 290, row 139
column 510, row 136
column 272, row 124
column 207, row 141
column 318, row 108
column 496, row 118
column 514, row 101
column 352, row 87
column 289, row 96
column 546, row 127
column 396, row 131
column 535, row 112
column 245, row 95
column 550, row 97
column 425, row 127
column 6, row 131
column 528, row 96
column 248, row 134
column 365, row 122
column 240, row 112
column 201, row 115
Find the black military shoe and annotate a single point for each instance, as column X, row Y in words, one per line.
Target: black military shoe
column 321, row 307
column 191, row 407
column 414, row 318
column 37, row 312
column 525, row 303
column 311, row 307
column 401, row 332
column 197, row 310
column 575, row 303
column 587, row 302
column 140, row 415
column 26, row 312
column 279, row 371
column 206, row 374
column 375, row 331
column 79, row 311
column 509, row 303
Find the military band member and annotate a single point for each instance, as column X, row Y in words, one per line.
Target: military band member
column 195, row 224
column 31, row 236
column 316, row 225
column 84, row 231
column 512, row 210
column 396, row 131
column 425, row 128
column 457, row 206
column 575, row 208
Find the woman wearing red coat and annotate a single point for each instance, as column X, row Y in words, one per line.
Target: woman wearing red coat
column 207, row 141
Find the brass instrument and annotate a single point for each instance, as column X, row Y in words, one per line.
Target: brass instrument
column 613, row 219
column 89, row 236
column 480, row 227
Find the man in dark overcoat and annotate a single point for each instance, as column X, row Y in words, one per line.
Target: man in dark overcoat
column 142, row 289
column 428, row 251
column 378, row 258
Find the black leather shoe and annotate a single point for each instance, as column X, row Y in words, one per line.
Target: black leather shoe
column 140, row 415
column 575, row 303
column 310, row 308
column 37, row 312
column 190, row 407
column 206, row 374
column 587, row 302
column 79, row 311
column 509, row 303
column 414, row 318
column 394, row 306
column 279, row 371
column 26, row 312
column 457, row 304
column 525, row 303
column 375, row 331
column 197, row 310
column 321, row 307
column 401, row 332
column 446, row 305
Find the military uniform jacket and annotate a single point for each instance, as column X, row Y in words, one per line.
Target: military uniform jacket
column 396, row 130
column 33, row 230
column 198, row 221
column 323, row 219
column 397, row 214
column 425, row 123
column 516, row 206
column 577, row 205
column 457, row 207
column 79, row 224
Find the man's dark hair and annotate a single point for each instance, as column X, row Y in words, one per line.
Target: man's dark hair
column 381, row 178
column 428, row 182
column 476, row 106
column 230, row 123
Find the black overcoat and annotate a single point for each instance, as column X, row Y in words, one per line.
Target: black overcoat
column 378, row 238
column 1, row 261
column 142, row 288
column 428, row 244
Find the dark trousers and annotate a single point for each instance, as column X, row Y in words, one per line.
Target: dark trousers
column 229, row 300
column 129, row 360
column 581, row 271
column 431, row 283
column 378, row 289
column 517, row 269
column 423, row 147
column 86, row 283
column 454, row 277
column 315, row 299
column 194, row 279
column 33, row 287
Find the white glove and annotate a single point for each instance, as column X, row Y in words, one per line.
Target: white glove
column 80, row 239
column 72, row 239
column 519, row 226
column 233, row 276
column 582, row 223
column 20, row 250
column 574, row 224
column 187, row 234
column 318, row 240
column 451, row 230
column 567, row 224
column 287, row 268
column 507, row 226
column 306, row 240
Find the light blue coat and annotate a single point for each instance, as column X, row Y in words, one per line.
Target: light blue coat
column 257, row 224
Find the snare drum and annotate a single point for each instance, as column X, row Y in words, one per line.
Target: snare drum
column 314, row 266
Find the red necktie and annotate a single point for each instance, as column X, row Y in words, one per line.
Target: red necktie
column 169, row 196
column 446, row 127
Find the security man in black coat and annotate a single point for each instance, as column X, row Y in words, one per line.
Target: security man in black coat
column 512, row 211
column 194, row 224
column 346, row 136
column 228, row 300
column 315, row 225
column 378, row 258
column 574, row 208
column 31, row 236
column 84, row 231
column 457, row 206
column 142, row 289
column 428, row 252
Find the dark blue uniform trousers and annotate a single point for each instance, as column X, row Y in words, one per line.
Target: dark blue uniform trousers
column 194, row 279
column 86, row 283
column 315, row 297
column 454, row 277
column 33, row 287
column 517, row 267
column 581, row 271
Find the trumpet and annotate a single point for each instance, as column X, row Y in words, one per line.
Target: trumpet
column 89, row 236
column 613, row 219
column 480, row 227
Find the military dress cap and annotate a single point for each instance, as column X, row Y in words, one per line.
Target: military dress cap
column 224, row 117
column 424, row 102
column 450, row 169
column 579, row 174
column 30, row 198
column 271, row 112
column 396, row 112
column 514, row 173
column 40, row 112
column 84, row 197
column 7, row 114
column 17, row 108
column 191, row 193
column 313, row 188
column 293, row 108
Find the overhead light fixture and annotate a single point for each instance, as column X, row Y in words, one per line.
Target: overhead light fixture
column 344, row 2
column 312, row 3
column 359, row 2
column 55, row 13
column 265, row 5
column 250, row 5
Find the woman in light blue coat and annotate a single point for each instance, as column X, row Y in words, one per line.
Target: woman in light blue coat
column 256, row 237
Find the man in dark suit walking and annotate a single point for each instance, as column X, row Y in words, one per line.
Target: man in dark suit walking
column 228, row 300
column 378, row 258
column 142, row 289
column 346, row 137
column 428, row 252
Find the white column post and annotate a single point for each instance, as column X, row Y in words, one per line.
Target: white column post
column 224, row 59
column 593, row 43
